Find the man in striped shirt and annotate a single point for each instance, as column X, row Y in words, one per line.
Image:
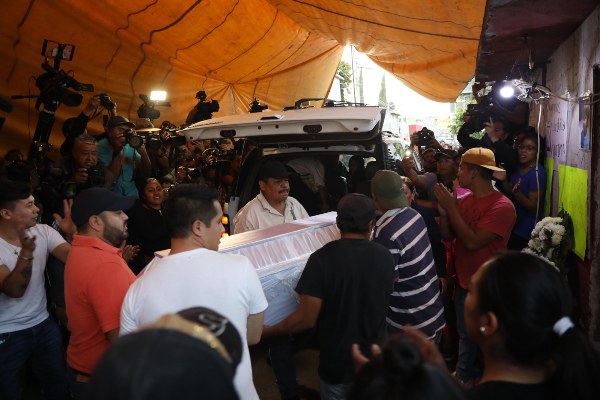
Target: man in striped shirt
column 416, row 298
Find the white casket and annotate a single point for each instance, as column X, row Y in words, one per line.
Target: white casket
column 279, row 254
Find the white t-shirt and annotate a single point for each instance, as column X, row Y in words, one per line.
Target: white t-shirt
column 258, row 213
column 226, row 283
column 30, row 309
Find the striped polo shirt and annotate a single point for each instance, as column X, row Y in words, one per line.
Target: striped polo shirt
column 416, row 299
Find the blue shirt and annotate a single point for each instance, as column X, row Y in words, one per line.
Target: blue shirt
column 525, row 220
column 125, row 183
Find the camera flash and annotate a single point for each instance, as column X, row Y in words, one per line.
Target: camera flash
column 408, row 153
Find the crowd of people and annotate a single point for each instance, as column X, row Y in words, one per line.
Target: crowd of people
column 419, row 284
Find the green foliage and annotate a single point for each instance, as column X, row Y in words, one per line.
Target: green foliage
column 457, row 120
column 345, row 71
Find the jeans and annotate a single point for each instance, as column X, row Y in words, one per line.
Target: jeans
column 333, row 391
column 467, row 350
column 78, row 383
column 41, row 348
column 281, row 352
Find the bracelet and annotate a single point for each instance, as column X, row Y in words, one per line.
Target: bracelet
column 26, row 258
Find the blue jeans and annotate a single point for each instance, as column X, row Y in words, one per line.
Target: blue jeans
column 78, row 383
column 467, row 350
column 41, row 348
column 333, row 391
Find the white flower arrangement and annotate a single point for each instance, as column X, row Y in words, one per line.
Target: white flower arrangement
column 551, row 239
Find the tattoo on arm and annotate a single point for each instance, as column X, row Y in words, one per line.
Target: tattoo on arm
column 26, row 272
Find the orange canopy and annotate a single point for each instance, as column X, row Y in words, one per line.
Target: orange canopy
column 277, row 51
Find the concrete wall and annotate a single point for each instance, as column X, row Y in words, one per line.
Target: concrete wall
column 570, row 75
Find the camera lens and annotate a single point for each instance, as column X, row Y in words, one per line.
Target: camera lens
column 136, row 141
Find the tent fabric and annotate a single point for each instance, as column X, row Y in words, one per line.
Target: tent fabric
column 277, row 51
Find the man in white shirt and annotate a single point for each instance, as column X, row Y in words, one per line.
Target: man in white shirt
column 28, row 336
column 194, row 274
column 273, row 205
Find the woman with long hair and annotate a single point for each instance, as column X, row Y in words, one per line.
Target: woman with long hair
column 146, row 225
column 518, row 311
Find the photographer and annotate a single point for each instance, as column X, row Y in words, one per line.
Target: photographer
column 76, row 126
column 125, row 164
column 81, row 167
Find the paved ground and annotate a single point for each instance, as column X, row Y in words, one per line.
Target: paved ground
column 307, row 362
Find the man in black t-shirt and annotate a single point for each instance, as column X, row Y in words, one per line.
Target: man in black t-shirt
column 344, row 291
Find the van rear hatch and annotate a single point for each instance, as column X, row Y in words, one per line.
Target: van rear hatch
column 326, row 125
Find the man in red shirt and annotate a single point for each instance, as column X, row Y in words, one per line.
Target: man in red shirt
column 96, row 280
column 481, row 222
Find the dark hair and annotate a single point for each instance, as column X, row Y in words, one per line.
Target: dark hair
column 358, row 160
column 161, row 364
column 408, row 182
column 484, row 173
column 188, row 203
column 528, row 296
column 167, row 179
column 541, row 145
column 12, row 192
column 400, row 372
column 141, row 187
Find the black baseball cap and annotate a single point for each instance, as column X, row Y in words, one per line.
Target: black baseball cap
column 357, row 209
column 94, row 201
column 272, row 169
column 447, row 153
column 221, row 327
column 117, row 120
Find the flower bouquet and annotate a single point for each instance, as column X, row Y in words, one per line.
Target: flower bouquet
column 551, row 239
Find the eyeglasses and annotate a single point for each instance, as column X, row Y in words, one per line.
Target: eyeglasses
column 528, row 148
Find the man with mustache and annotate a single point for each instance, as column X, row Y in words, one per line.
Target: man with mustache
column 273, row 205
column 96, row 280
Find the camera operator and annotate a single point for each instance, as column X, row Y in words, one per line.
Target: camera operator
column 496, row 138
column 203, row 110
column 76, row 126
column 125, row 164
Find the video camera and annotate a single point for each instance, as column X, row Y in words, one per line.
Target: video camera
column 147, row 109
column 55, row 83
column 54, row 86
column 425, row 136
column 481, row 112
column 203, row 110
column 256, row 107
